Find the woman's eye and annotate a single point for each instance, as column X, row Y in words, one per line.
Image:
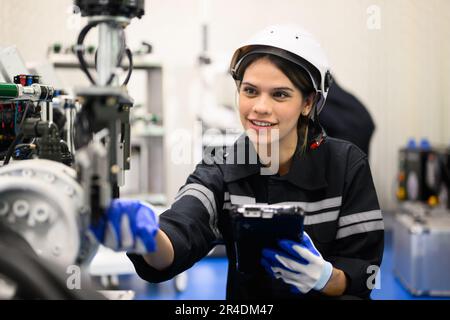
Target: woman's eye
column 280, row 94
column 249, row 90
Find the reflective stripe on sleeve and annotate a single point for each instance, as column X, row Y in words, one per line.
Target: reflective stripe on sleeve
column 360, row 228
column 321, row 217
column 360, row 217
column 206, row 197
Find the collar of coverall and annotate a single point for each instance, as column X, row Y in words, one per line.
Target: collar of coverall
column 307, row 170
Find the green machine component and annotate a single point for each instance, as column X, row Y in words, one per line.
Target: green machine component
column 8, row 91
column 33, row 92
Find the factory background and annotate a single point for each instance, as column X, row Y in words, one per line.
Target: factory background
column 392, row 55
column 396, row 65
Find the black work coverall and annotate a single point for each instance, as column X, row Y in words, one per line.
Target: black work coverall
column 333, row 183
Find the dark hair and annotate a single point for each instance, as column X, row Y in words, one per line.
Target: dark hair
column 297, row 75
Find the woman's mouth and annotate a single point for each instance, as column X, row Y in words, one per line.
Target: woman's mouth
column 261, row 124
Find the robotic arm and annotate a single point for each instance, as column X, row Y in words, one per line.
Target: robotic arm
column 103, row 123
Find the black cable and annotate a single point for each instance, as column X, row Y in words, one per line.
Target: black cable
column 24, row 115
column 80, row 49
column 18, row 137
column 130, row 67
column 11, row 148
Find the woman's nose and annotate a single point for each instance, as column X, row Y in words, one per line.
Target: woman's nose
column 262, row 105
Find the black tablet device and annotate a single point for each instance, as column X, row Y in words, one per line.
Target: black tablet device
column 256, row 227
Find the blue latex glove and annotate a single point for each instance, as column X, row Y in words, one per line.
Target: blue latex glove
column 129, row 225
column 299, row 264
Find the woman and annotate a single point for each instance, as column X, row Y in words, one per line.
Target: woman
column 282, row 78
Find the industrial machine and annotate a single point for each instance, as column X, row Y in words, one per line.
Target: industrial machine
column 62, row 178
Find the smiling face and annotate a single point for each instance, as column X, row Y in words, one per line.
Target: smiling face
column 270, row 105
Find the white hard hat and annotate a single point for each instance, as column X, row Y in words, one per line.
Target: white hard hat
column 294, row 44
